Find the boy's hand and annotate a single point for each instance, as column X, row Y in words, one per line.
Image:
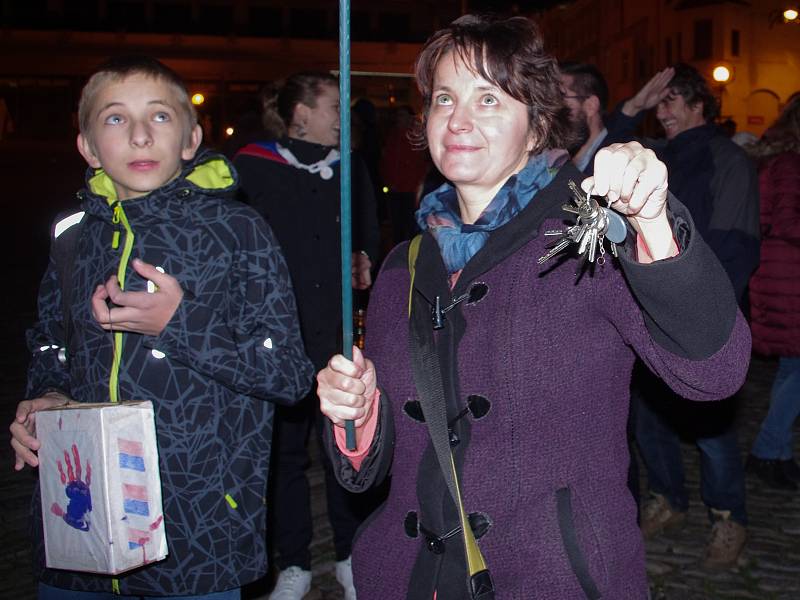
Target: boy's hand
column 138, row 312
column 23, row 428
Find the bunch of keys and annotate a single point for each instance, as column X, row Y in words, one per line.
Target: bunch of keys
column 594, row 225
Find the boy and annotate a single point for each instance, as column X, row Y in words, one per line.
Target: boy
column 179, row 296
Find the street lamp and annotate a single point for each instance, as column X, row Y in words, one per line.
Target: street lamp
column 198, row 99
column 721, row 74
column 789, row 16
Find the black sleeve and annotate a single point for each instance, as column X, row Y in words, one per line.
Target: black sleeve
column 375, row 466
column 621, row 127
column 694, row 314
column 733, row 232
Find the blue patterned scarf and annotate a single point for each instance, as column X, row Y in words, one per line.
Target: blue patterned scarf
column 439, row 211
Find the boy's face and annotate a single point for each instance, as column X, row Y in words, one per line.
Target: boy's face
column 138, row 135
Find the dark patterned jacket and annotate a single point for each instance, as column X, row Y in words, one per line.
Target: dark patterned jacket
column 232, row 348
column 536, row 375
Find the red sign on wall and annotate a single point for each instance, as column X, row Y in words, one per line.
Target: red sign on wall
column 755, row 120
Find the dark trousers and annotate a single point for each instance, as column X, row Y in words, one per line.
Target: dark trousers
column 662, row 419
column 290, row 506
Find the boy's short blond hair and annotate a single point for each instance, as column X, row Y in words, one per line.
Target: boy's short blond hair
column 117, row 69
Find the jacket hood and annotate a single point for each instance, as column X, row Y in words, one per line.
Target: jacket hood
column 207, row 174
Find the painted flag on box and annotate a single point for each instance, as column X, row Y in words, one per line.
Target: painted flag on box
column 131, row 455
column 135, row 501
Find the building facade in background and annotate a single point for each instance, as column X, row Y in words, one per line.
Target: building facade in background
column 224, row 49
column 227, row 49
column 629, row 40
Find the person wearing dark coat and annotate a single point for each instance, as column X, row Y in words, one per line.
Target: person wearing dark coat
column 775, row 296
column 293, row 181
column 497, row 387
column 717, row 182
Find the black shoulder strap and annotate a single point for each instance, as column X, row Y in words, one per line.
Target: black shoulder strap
column 65, row 245
column 430, row 389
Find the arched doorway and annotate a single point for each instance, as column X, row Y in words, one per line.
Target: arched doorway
column 763, row 107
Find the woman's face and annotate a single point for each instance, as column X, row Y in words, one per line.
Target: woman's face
column 322, row 124
column 478, row 135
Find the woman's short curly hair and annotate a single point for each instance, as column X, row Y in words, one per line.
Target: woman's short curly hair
column 510, row 54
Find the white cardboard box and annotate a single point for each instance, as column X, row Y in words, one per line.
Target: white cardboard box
column 101, row 490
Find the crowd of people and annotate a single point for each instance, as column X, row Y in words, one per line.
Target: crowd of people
column 501, row 400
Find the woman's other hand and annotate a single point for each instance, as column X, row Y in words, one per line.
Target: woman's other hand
column 346, row 389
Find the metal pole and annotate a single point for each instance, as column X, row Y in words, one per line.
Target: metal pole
column 345, row 216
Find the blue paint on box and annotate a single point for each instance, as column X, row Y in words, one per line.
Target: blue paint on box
column 136, row 507
column 128, row 461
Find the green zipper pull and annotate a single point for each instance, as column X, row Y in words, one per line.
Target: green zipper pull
column 115, row 221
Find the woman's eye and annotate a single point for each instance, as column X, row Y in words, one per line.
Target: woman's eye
column 113, row 120
column 488, row 100
column 443, row 99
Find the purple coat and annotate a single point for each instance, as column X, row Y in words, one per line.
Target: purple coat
column 550, row 358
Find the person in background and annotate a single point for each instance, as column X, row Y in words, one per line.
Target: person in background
column 775, row 296
column 520, row 370
column 293, row 181
column 586, row 96
column 717, row 182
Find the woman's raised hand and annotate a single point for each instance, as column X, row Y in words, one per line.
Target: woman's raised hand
column 635, row 182
column 346, row 389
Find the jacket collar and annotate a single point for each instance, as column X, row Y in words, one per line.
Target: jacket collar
column 207, row 173
column 431, row 276
column 306, row 152
column 692, row 137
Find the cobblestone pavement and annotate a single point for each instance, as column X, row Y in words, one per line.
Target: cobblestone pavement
column 769, row 568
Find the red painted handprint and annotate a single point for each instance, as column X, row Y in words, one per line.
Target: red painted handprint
column 78, row 492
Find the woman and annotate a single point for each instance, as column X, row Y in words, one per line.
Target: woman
column 535, row 364
column 775, row 296
column 293, row 181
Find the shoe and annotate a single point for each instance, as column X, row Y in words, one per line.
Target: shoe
column 771, row 471
column 725, row 543
column 791, row 470
column 344, row 575
column 658, row 515
column 293, row 583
